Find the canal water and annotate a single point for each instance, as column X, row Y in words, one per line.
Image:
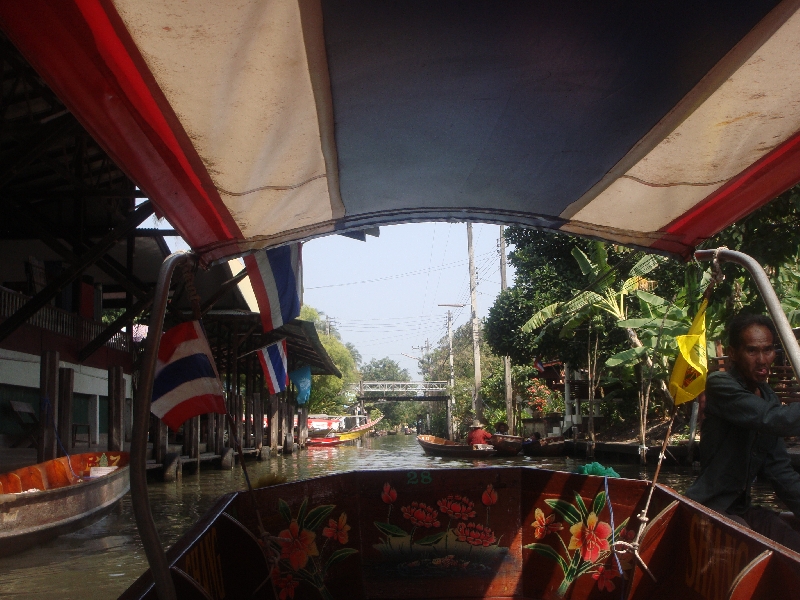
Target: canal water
column 101, row 561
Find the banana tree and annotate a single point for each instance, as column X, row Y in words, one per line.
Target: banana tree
column 602, row 296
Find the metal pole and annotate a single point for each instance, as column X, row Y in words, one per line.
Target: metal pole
column 785, row 332
column 451, row 402
column 477, row 404
column 159, row 567
column 506, row 359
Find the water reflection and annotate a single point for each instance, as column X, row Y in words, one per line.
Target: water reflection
column 102, row 560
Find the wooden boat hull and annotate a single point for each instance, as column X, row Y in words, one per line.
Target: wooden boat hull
column 549, row 447
column 323, row 442
column 498, row 540
column 63, row 504
column 506, row 445
column 437, row 446
column 359, row 431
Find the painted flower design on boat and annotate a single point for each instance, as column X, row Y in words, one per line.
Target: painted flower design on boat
column 337, row 530
column 591, row 539
column 285, row 583
column 474, row 534
column 604, row 578
column 489, row 496
column 389, row 494
column 452, row 544
column 544, row 525
column 301, row 560
column 421, row 515
column 297, row 545
column 457, row 507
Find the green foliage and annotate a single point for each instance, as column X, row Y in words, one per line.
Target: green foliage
column 328, row 393
column 384, row 369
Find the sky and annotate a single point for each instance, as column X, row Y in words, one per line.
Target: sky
column 382, row 295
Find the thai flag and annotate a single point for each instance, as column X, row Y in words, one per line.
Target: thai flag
column 273, row 362
column 186, row 381
column 539, row 366
column 277, row 279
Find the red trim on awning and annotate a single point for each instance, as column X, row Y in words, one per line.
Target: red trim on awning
column 761, row 182
column 83, row 52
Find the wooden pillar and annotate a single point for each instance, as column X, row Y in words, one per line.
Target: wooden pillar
column 288, row 427
column 258, row 421
column 116, row 402
column 248, row 422
column 66, row 381
column 219, row 434
column 273, row 422
column 193, row 448
column 48, row 402
column 94, row 420
column 211, row 431
column 302, row 426
column 238, row 415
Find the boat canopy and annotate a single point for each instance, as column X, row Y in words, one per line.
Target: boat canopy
column 251, row 124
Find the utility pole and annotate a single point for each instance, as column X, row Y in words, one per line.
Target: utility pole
column 506, row 359
column 452, row 384
column 477, row 403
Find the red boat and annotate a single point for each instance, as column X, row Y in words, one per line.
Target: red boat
column 323, row 441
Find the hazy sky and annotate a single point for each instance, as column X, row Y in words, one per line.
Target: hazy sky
column 382, row 294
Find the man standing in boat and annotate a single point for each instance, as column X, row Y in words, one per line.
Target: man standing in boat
column 742, row 435
column 477, row 434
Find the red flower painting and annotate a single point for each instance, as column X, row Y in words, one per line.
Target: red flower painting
column 285, row 583
column 337, row 530
column 297, row 545
column 475, row 534
column 421, row 515
column 591, row 537
column 457, row 507
column 604, row 577
column 489, row 497
column 544, row 525
column 389, row 494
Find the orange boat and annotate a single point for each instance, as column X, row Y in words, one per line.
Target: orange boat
column 40, row 502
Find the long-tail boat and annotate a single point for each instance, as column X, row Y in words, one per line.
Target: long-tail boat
column 45, row 500
column 506, row 445
column 553, row 446
column 437, row 446
column 653, row 125
column 514, row 532
column 358, row 431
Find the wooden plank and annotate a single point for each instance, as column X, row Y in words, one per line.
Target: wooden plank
column 33, row 305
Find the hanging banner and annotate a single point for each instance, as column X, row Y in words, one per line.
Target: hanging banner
column 688, row 379
column 273, row 363
column 186, row 382
column 301, row 378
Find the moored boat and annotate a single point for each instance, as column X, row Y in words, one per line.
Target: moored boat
column 553, row 446
column 333, row 440
column 437, row 446
column 45, row 500
column 506, row 445
column 357, row 432
column 517, row 532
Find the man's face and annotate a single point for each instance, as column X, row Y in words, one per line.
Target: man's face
column 755, row 354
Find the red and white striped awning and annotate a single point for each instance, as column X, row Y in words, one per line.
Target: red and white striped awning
column 251, row 123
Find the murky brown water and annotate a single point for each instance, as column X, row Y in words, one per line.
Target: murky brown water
column 100, row 561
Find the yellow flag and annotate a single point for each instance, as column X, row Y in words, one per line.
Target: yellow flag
column 688, row 379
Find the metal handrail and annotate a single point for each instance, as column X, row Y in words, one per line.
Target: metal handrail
column 159, row 566
column 764, row 286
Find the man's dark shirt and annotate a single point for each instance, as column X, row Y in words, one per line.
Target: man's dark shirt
column 742, row 437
